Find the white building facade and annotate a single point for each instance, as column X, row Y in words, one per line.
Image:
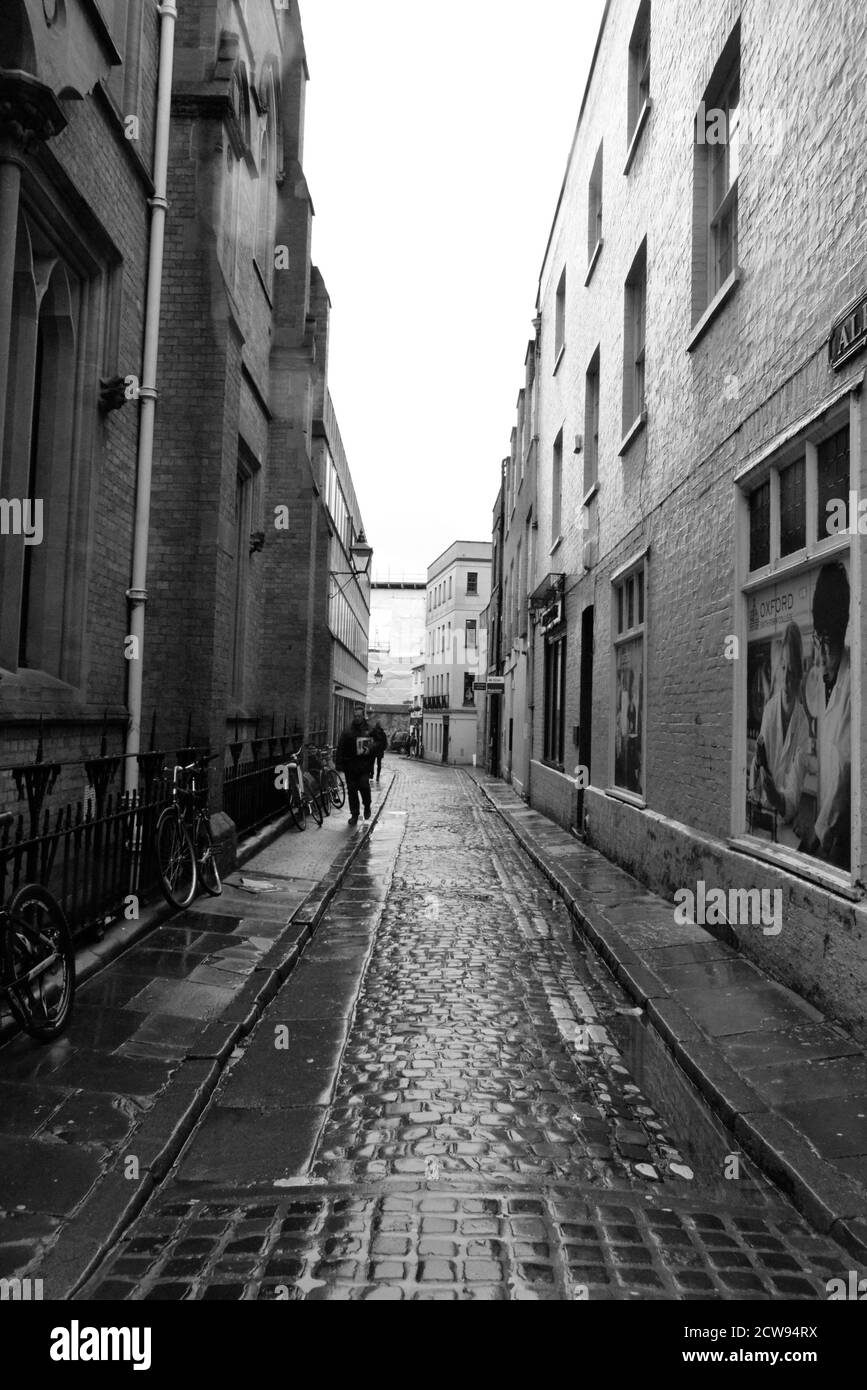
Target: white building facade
column 458, row 591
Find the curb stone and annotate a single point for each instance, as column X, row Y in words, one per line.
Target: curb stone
column 833, row 1204
column 83, row 1241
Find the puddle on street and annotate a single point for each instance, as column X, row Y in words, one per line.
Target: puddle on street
column 708, row 1148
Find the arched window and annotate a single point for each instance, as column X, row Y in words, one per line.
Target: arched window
column 43, row 558
column 229, row 216
column 269, row 166
column 265, row 211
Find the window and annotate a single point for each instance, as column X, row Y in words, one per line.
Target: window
column 591, row 424
column 635, row 307
column 555, row 700
column 639, row 74
column 793, row 507
column 529, row 383
column 716, row 168
column 472, row 582
column 560, row 321
column 796, row 693
column 266, row 207
column 760, row 526
column 556, row 488
column 525, row 581
column 471, row 635
column 594, row 212
column 228, row 240
column 244, row 526
column 832, row 477
column 450, row 586
column 629, row 603
column 520, row 436
column 815, row 480
column 61, row 299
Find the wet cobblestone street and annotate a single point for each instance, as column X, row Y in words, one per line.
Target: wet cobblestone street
column 472, row 1123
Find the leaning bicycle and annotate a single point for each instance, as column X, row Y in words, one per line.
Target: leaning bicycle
column 303, row 795
column 37, row 959
column 183, row 840
column 330, row 780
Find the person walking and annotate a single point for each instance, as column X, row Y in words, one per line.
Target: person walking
column 379, row 740
column 353, row 759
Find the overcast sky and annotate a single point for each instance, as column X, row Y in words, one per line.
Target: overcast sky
column 436, row 143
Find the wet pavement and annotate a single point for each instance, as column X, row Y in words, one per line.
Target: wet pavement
column 449, row 1098
column 89, row 1123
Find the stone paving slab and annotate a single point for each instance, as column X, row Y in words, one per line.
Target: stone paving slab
column 721, row 1014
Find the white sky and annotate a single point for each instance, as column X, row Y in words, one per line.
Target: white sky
column 436, row 143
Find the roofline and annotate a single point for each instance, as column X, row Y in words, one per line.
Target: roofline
column 584, row 100
column 461, row 554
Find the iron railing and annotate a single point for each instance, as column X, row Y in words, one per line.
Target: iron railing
column 96, row 854
column 250, row 785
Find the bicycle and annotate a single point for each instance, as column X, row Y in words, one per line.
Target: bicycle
column 37, row 965
column 330, row 780
column 183, row 841
column 302, row 795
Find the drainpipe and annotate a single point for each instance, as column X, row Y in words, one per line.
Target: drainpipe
column 136, row 593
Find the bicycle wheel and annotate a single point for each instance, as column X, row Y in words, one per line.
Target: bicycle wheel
column 336, row 790
column 38, row 962
column 312, row 799
column 296, row 805
column 206, row 864
column 176, row 859
column 324, row 798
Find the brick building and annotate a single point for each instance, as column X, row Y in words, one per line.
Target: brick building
column 75, row 179
column 253, row 609
column 458, row 592
column 694, row 607
column 254, row 512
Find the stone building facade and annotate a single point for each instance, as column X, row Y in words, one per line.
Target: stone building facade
column 253, row 608
column 458, row 592
column 695, row 605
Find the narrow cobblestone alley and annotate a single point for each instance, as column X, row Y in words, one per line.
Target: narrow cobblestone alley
column 438, row 1105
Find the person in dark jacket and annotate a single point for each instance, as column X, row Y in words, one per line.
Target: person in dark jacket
column 380, row 742
column 354, row 749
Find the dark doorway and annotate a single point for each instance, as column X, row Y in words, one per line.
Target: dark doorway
column 445, row 738
column 585, row 715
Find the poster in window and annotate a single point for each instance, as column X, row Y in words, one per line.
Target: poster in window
column 629, row 718
column 799, row 746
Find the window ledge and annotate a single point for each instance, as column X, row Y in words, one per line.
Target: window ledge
column 814, row 871
column 636, row 138
column 720, row 299
column 558, row 542
column 632, row 433
column 593, row 259
column 618, row 794
column 560, row 355
column 590, row 494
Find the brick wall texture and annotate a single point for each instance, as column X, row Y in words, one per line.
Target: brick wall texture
column 760, row 369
